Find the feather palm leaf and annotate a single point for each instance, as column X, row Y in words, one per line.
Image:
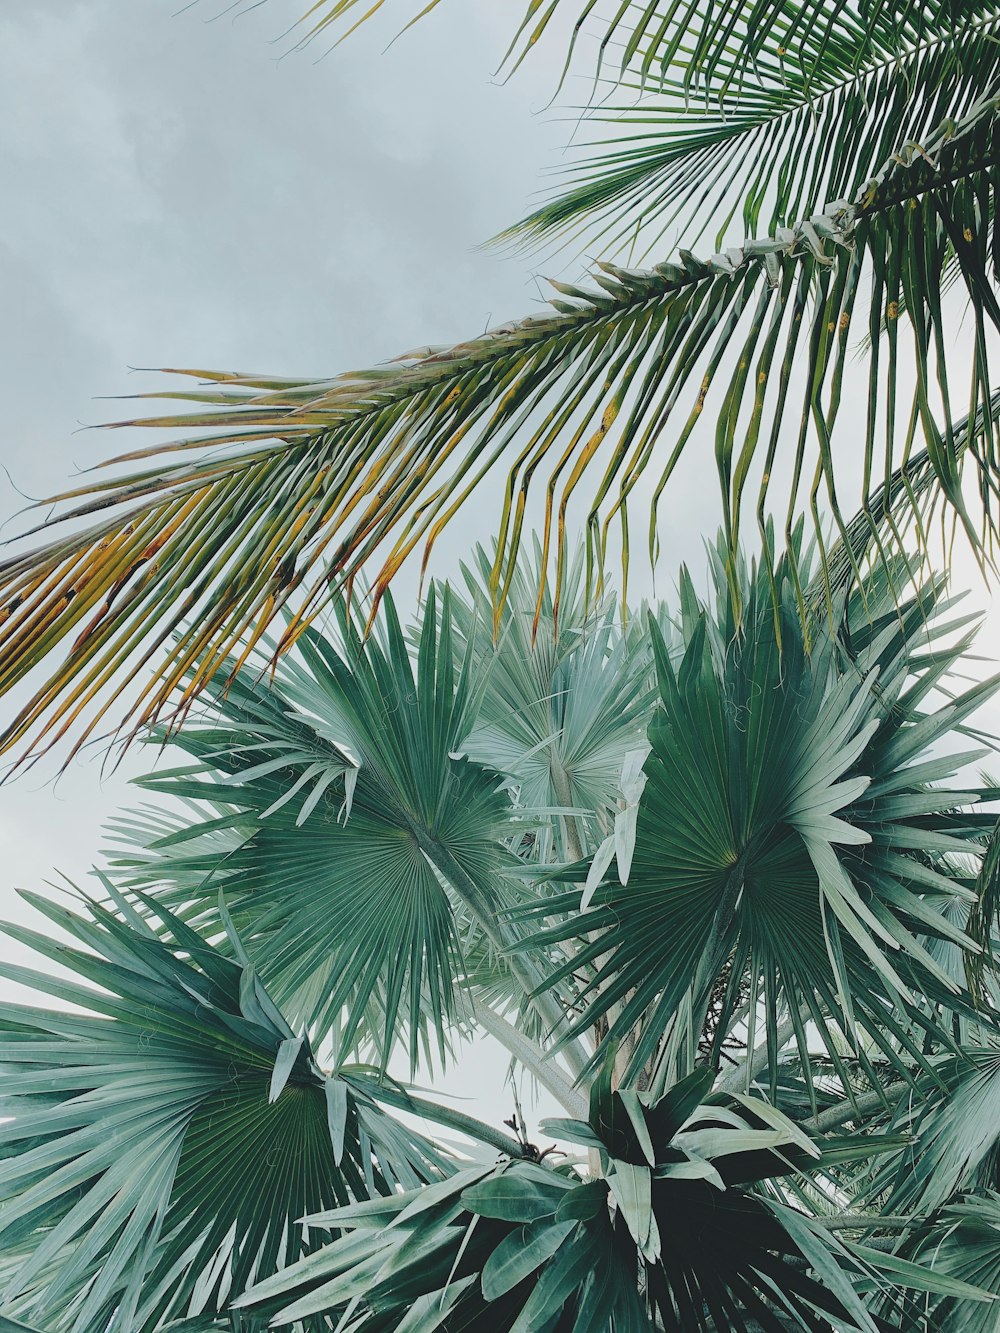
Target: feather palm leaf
column 723, row 44
column 307, row 481
column 753, row 146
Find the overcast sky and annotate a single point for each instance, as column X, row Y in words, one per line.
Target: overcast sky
column 175, row 193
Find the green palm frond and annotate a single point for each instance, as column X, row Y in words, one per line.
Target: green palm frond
column 820, row 777
column 307, row 482
column 965, row 1243
column 168, row 1130
column 353, row 845
column 955, row 1132
column 792, row 840
column 986, row 911
column 761, row 144
column 567, row 694
column 15, row 1326
column 655, row 36
column 912, row 488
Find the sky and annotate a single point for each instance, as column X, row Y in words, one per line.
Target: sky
column 182, row 188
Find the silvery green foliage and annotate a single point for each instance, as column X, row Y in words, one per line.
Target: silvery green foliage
column 762, row 846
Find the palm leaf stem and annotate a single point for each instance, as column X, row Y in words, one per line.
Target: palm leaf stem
column 532, row 1058
column 718, row 944
column 575, row 846
column 742, row 1075
column 449, row 1117
column 853, row 1108
column 867, row 1222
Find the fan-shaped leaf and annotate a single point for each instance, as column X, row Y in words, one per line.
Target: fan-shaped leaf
column 151, row 1169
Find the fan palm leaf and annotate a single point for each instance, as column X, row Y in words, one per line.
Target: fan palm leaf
column 168, row 1130
column 348, row 838
column 567, row 695
column 964, row 1243
column 788, row 835
column 955, row 1132
column 817, row 774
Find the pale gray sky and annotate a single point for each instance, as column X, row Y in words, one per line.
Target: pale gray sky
column 174, row 193
column 180, row 190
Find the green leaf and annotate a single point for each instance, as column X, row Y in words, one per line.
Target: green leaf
column 964, row 1245
column 336, row 1115
column 529, row 1247
column 822, row 1256
column 521, row 1253
column 632, row 1187
column 815, row 120
column 955, row 1132
column 517, row 1196
column 584, row 1202
column 576, row 1131
column 148, row 1152
column 284, row 1061
column 919, row 1278
column 765, row 856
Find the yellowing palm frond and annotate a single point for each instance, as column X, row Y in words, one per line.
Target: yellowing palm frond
column 290, row 487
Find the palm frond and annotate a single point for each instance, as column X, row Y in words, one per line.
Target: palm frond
column 756, row 146
column 306, row 482
column 874, row 530
column 964, row 1243
column 567, row 695
column 356, row 851
column 955, row 1136
column 789, row 834
column 168, row 1130
column 652, row 36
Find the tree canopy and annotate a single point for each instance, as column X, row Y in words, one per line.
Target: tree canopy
column 721, row 873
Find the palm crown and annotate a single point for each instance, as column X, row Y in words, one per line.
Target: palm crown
column 713, row 872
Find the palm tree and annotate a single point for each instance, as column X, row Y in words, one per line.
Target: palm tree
column 712, row 873
column 842, row 156
column 715, row 889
